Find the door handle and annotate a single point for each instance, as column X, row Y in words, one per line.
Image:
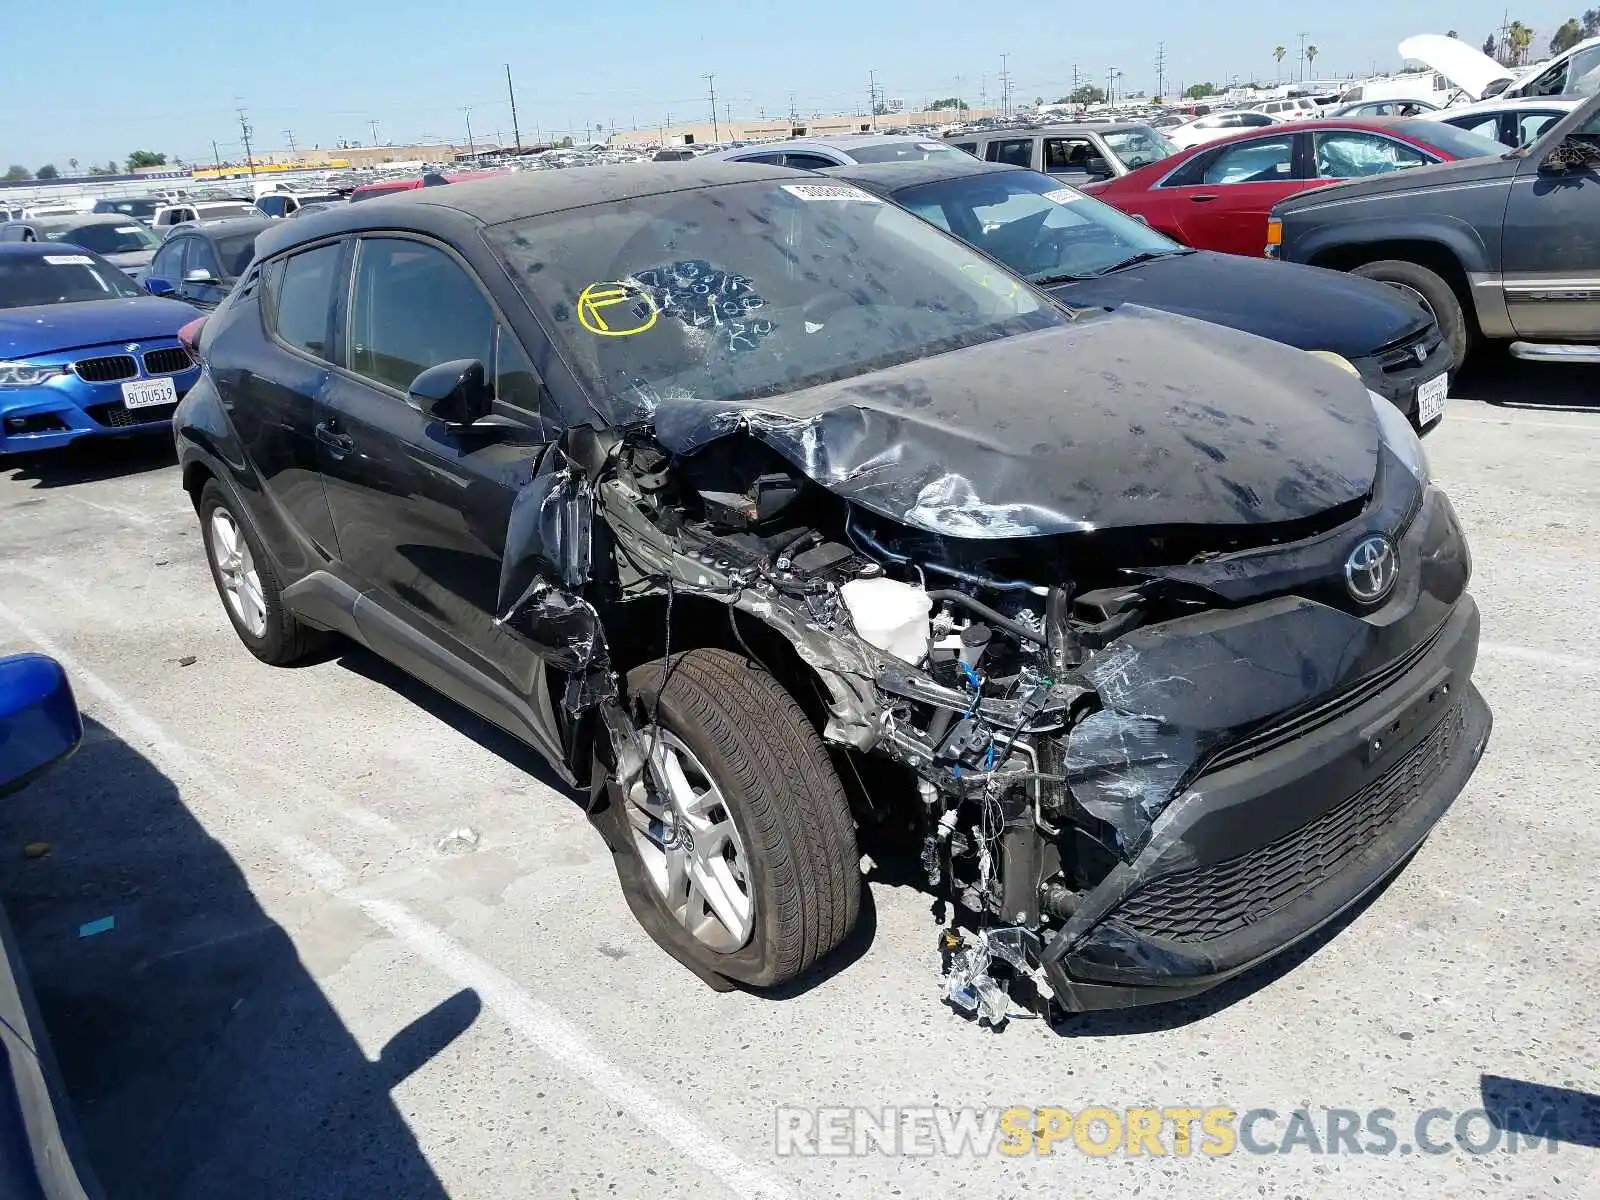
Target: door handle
column 338, row 444
column 1201, row 199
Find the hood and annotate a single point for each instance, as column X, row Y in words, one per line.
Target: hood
column 1123, row 419
column 1467, row 67
column 1415, row 179
column 1305, row 307
column 43, row 328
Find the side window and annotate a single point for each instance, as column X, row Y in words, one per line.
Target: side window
column 300, row 295
column 413, row 307
column 1535, row 125
column 808, row 162
column 970, row 147
column 1016, row 151
column 1068, row 154
column 11, row 233
column 1250, row 120
column 770, row 160
column 1552, row 83
column 1487, row 125
column 1265, row 160
column 273, row 206
column 168, row 262
column 202, row 258
column 515, row 382
column 1352, row 155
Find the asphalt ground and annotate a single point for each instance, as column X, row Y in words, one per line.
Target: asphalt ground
column 312, row 990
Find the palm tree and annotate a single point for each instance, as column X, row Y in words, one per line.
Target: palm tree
column 1518, row 40
column 1311, row 56
column 73, row 163
column 1277, row 56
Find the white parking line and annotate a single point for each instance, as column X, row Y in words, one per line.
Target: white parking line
column 1545, row 658
column 541, row 1026
column 1572, row 425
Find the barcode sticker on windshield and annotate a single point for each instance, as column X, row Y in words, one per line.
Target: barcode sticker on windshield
column 828, row 191
column 69, row 260
column 127, row 229
column 929, row 146
column 1063, row 196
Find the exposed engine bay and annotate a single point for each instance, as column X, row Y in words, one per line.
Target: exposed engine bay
column 1045, row 696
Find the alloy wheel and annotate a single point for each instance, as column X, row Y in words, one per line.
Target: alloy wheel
column 241, row 584
column 690, row 847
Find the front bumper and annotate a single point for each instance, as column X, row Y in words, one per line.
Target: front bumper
column 69, row 408
column 1395, row 372
column 1271, row 843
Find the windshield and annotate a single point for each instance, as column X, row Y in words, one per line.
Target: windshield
column 902, row 152
column 28, row 279
column 236, row 250
column 754, row 289
column 1457, row 143
column 106, row 238
column 1034, row 225
column 212, row 212
column 1139, row 147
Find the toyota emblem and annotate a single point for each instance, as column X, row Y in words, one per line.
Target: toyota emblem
column 1371, row 569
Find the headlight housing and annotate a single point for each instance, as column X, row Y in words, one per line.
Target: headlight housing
column 21, row 374
column 1398, row 435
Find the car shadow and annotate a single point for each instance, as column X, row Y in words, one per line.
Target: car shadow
column 200, row 1056
column 90, row 459
column 1540, row 1111
column 1493, row 377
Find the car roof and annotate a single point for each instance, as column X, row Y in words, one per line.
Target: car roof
column 38, row 249
column 222, row 225
column 525, row 194
column 890, row 177
column 1056, row 127
column 1514, row 104
column 842, row 141
column 79, row 219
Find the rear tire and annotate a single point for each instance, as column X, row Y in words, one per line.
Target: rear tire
column 1436, row 294
column 248, row 585
column 763, row 790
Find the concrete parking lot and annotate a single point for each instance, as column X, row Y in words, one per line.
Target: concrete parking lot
column 313, row 989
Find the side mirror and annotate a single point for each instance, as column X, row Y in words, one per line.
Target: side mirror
column 157, row 286
column 456, row 392
column 199, row 275
column 1574, row 153
column 1097, row 167
column 39, row 720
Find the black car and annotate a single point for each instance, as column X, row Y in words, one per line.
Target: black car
column 730, row 489
column 201, row 261
column 1087, row 253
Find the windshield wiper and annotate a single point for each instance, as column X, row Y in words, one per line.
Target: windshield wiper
column 1070, row 277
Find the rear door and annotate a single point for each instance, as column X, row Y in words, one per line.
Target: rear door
column 1219, row 200
column 1016, row 151
column 1551, row 261
column 421, row 508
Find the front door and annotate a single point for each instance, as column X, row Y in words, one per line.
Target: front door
column 1222, row 199
column 200, row 260
column 420, row 508
column 1069, row 158
column 1550, row 259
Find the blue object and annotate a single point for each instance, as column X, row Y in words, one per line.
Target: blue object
column 84, row 351
column 39, row 721
column 159, row 287
column 103, row 925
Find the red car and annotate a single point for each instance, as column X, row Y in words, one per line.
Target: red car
column 1216, row 196
column 392, row 187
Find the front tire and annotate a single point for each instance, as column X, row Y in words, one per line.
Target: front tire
column 1434, row 292
column 248, row 585
column 748, row 870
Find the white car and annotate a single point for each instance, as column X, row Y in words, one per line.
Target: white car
column 169, row 215
column 1218, row 125
column 1518, row 121
column 1574, row 72
column 1298, row 108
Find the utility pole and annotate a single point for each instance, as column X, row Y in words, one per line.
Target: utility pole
column 246, row 131
column 1161, row 70
column 289, row 134
column 472, row 149
column 716, row 130
column 1005, row 87
column 872, row 98
column 1303, row 38
column 516, row 133
column 1111, row 85
column 215, row 157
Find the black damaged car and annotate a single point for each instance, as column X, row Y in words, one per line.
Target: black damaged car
column 781, row 524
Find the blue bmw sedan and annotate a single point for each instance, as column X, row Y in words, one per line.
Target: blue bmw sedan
column 84, row 352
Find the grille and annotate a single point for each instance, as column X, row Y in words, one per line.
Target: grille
column 1213, row 902
column 106, row 370
column 1401, row 357
column 168, row 361
column 118, row 416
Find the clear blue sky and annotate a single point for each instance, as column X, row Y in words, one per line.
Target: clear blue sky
column 92, row 80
